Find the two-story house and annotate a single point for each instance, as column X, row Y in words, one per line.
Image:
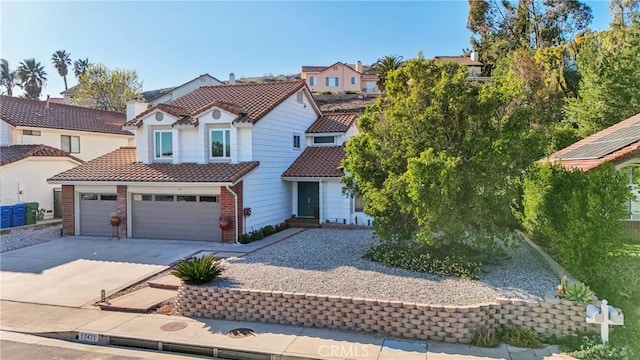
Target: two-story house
column 222, row 152
column 39, row 139
column 340, row 78
column 471, row 62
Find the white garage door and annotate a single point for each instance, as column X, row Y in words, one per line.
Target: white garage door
column 180, row 217
column 95, row 213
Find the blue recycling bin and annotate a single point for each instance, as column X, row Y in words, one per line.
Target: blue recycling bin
column 19, row 211
column 5, row 216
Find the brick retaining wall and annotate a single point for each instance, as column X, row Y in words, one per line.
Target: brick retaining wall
column 455, row 324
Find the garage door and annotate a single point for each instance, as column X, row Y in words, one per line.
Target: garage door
column 181, row 217
column 95, row 211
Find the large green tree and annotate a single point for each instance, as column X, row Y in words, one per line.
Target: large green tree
column 501, row 26
column 437, row 157
column 32, row 77
column 609, row 67
column 8, row 77
column 384, row 66
column 108, row 89
column 61, row 61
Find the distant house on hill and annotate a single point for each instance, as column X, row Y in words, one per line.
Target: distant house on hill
column 471, row 62
column 340, row 78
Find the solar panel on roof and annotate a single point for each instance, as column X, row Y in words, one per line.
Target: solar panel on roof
column 606, row 144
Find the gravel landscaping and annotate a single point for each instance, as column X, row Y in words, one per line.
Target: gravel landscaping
column 329, row 262
column 20, row 238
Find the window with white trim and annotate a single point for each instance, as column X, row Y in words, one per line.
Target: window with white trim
column 324, row 139
column 299, row 97
column 331, row 81
column 354, row 80
column 220, row 143
column 358, row 203
column 163, row 144
column 31, row 132
column 313, row 81
column 70, row 144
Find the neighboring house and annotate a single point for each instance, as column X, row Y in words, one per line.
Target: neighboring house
column 471, row 62
column 24, row 170
column 85, row 133
column 618, row 144
column 228, row 152
column 159, row 96
column 340, row 78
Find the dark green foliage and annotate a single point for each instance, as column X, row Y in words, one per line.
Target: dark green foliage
column 268, row 230
column 486, row 337
column 257, row 235
column 198, row 270
column 420, row 257
column 587, row 346
column 576, row 215
column 521, row 337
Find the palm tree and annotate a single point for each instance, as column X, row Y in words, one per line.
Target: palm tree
column 383, row 66
column 61, row 61
column 8, row 78
column 32, row 77
column 80, row 66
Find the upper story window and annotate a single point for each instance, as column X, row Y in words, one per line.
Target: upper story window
column 354, row 80
column 358, row 203
column 70, row 144
column 324, row 139
column 220, row 144
column 313, row 81
column 296, row 141
column 163, row 144
column 331, row 81
column 31, row 132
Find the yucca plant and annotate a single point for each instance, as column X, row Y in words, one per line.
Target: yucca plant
column 198, row 270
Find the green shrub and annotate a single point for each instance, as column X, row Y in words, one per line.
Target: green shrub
column 245, row 239
column 587, row 346
column 576, row 215
column 521, row 337
column 257, row 235
column 268, row 230
column 198, row 270
column 485, row 337
column 420, row 257
column 578, row 292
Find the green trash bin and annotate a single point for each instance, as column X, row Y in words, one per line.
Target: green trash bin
column 32, row 213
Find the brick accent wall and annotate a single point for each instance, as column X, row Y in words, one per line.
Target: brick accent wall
column 68, row 210
column 455, row 324
column 227, row 204
column 121, row 208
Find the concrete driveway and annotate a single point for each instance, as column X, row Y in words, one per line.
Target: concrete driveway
column 72, row 271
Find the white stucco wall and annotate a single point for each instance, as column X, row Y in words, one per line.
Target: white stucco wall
column 92, row 145
column 30, row 175
column 185, row 89
column 5, row 133
column 269, row 197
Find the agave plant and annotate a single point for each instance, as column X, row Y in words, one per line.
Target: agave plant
column 198, row 270
column 578, row 292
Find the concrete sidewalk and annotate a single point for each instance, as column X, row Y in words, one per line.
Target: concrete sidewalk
column 218, row 338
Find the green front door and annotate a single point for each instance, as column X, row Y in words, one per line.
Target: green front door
column 308, row 198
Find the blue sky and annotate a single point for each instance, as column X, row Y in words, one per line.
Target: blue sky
column 169, row 43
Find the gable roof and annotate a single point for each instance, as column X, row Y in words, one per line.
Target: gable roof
column 462, row 60
column 336, row 122
column 121, row 166
column 251, row 101
column 601, row 149
column 35, row 113
column 12, row 153
column 155, row 94
column 323, row 68
column 317, row 161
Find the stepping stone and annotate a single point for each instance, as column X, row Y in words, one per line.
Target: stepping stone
column 141, row 301
column 169, row 282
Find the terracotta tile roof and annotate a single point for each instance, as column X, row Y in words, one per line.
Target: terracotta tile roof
column 337, row 122
column 121, row 166
column 613, row 156
column 370, row 76
column 251, row 101
column 13, row 153
column 318, row 161
column 33, row 113
column 313, row 69
column 462, row 60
